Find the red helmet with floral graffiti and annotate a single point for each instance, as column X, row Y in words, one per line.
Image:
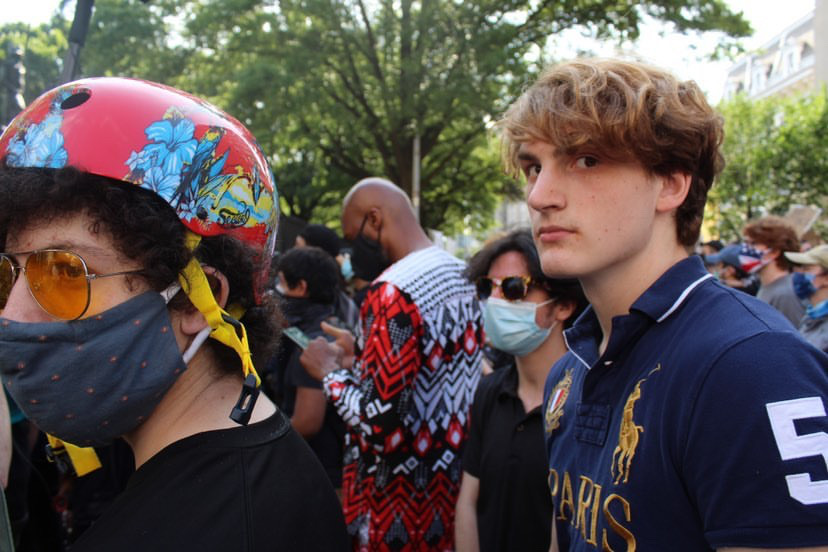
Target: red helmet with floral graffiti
column 201, row 161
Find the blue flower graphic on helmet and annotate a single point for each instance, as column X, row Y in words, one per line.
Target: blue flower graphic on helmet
column 164, row 184
column 189, row 173
column 174, row 144
column 40, row 144
column 139, row 161
column 171, row 145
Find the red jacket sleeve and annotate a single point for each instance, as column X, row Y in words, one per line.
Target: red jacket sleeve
column 389, row 357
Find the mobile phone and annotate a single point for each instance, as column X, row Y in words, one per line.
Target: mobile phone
column 297, row 336
column 337, row 322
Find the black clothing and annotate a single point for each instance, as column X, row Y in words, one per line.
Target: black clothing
column 505, row 451
column 33, row 484
column 90, row 495
column 250, row 488
column 359, row 296
column 498, row 359
column 287, row 374
column 347, row 312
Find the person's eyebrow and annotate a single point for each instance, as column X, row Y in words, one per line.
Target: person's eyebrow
column 75, row 247
column 82, row 247
column 526, row 156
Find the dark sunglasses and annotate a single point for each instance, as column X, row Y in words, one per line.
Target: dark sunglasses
column 57, row 279
column 513, row 288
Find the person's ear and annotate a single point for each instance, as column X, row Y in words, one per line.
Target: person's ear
column 301, row 288
column 374, row 219
column 673, row 192
column 191, row 321
column 558, row 311
column 563, row 310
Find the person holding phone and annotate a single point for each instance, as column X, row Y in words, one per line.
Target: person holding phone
column 405, row 389
column 308, row 283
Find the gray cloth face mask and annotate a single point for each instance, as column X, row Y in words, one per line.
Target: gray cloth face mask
column 89, row 381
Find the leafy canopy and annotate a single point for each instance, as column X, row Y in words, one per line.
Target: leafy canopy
column 776, row 151
column 338, row 90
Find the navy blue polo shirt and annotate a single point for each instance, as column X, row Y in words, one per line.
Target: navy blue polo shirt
column 505, row 451
column 703, row 425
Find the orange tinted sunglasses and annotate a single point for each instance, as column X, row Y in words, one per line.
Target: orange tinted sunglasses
column 58, row 280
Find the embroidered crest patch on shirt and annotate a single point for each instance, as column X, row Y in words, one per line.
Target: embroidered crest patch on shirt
column 557, row 399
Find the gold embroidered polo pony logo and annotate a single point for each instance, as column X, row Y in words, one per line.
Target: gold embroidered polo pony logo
column 628, row 436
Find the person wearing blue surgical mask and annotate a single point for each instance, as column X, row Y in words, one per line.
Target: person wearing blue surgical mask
column 504, row 501
column 811, row 286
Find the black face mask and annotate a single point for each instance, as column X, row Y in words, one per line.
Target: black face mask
column 367, row 258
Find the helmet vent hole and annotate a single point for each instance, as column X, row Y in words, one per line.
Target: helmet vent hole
column 202, row 213
column 76, row 99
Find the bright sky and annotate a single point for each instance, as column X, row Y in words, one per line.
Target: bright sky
column 677, row 53
column 31, row 11
column 681, row 54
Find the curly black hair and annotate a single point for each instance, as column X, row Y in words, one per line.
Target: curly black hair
column 520, row 241
column 320, row 235
column 145, row 229
column 316, row 267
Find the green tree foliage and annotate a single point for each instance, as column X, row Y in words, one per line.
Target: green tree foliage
column 42, row 47
column 338, row 90
column 132, row 39
column 363, row 79
column 776, row 151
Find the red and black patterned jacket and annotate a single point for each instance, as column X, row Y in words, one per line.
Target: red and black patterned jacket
column 406, row 403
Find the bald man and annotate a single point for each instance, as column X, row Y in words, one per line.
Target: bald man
column 405, row 393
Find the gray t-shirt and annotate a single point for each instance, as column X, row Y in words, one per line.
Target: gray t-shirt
column 816, row 331
column 780, row 295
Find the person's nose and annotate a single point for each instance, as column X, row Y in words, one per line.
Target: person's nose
column 546, row 192
column 21, row 305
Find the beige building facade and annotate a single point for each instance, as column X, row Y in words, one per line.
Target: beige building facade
column 795, row 60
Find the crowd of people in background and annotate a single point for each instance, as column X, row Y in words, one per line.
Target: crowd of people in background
column 774, row 265
column 584, row 383
column 503, row 502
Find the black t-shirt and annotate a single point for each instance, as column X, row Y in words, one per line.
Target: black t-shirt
column 505, row 451
column 328, row 443
column 249, row 488
column 288, row 375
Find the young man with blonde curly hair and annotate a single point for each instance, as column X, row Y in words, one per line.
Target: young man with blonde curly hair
column 664, row 431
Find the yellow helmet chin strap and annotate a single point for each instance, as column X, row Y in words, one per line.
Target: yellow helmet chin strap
column 226, row 328
column 82, row 459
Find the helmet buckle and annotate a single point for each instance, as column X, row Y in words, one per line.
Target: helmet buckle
column 247, row 400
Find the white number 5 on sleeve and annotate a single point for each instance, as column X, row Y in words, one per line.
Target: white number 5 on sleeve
column 782, row 415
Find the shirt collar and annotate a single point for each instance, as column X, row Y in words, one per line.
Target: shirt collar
column 657, row 303
column 668, row 293
column 510, row 381
column 582, row 337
